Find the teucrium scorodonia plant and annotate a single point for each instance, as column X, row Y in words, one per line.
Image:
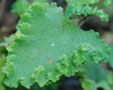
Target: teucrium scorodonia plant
column 48, row 45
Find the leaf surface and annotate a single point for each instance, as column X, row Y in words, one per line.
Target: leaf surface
column 92, row 69
column 2, row 75
column 47, row 45
column 86, row 8
column 20, row 6
column 89, row 85
column 4, row 45
column 111, row 57
column 96, row 76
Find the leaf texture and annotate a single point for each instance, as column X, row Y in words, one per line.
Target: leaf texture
column 4, row 45
column 2, row 75
column 89, row 85
column 87, row 7
column 91, row 72
column 47, row 45
column 91, row 81
column 110, row 61
column 20, row 6
column 44, row 1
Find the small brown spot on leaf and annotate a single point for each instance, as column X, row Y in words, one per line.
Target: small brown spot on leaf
column 51, row 61
column 33, row 58
column 59, row 27
column 39, row 52
column 29, row 87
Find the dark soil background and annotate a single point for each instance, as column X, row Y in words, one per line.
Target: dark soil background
column 8, row 22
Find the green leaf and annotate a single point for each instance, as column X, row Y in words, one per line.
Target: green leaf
column 91, row 72
column 95, row 77
column 47, row 45
column 2, row 75
column 83, row 1
column 107, row 3
column 20, row 6
column 110, row 79
column 44, row 1
column 53, row 86
column 89, row 85
column 111, row 57
column 86, row 8
column 104, row 85
column 7, row 40
column 4, row 45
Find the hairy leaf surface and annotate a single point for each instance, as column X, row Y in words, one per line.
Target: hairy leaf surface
column 47, row 45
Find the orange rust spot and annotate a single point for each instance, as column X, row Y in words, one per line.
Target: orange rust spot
column 29, row 87
column 51, row 61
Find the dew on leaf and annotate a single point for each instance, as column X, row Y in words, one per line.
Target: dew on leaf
column 52, row 44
